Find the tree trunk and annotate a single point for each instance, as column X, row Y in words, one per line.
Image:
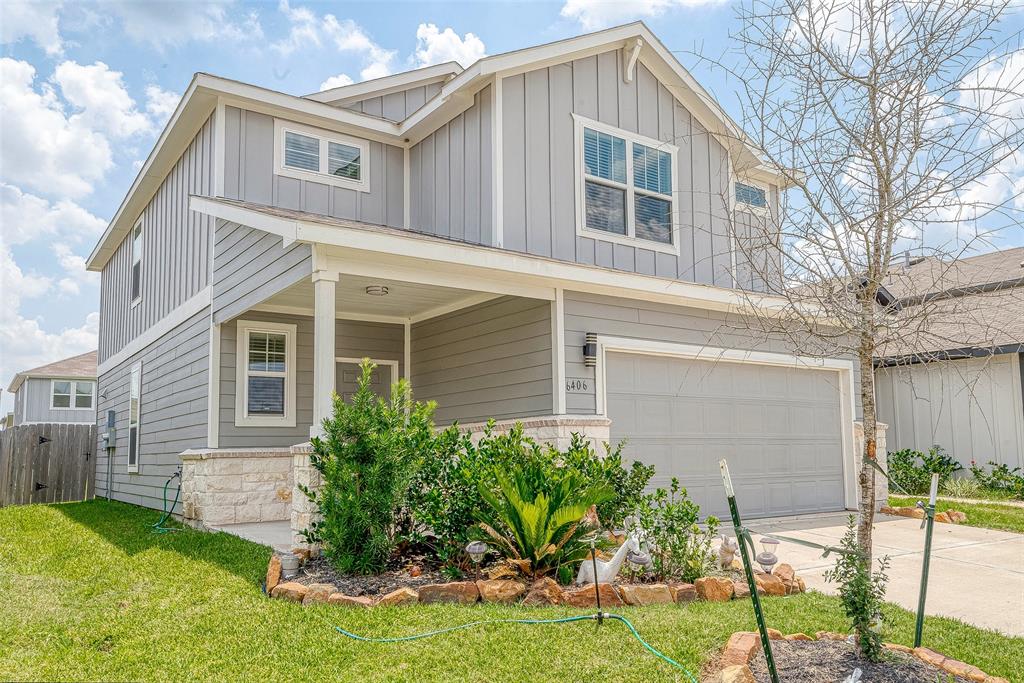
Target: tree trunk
column 866, row 478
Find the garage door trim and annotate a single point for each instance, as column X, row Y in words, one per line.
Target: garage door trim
column 610, row 344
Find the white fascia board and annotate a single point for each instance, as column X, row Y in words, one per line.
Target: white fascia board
column 386, row 85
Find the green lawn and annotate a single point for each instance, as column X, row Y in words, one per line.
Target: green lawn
column 985, row 515
column 87, row 592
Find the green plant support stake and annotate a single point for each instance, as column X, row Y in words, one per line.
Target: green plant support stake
column 742, row 539
column 929, row 523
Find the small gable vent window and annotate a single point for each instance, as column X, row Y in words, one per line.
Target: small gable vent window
column 321, row 156
column 626, row 187
column 751, row 195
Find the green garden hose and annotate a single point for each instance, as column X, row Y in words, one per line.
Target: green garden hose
column 563, row 620
column 159, row 527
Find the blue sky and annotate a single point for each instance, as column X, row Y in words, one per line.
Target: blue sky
column 87, row 87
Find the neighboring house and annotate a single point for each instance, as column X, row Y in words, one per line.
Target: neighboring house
column 961, row 387
column 543, row 236
column 60, row 392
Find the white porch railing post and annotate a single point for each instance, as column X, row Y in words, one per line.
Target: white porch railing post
column 324, row 283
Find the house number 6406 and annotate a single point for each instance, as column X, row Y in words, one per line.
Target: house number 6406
column 577, row 385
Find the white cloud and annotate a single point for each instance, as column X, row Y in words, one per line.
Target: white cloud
column 434, row 46
column 336, row 82
column 34, row 20
column 101, row 99
column 74, row 267
column 26, row 217
column 160, row 104
column 168, row 23
column 42, row 147
column 308, row 29
column 595, row 14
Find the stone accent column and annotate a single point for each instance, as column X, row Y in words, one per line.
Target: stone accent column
column 304, row 512
column 556, row 430
column 881, row 483
column 234, row 486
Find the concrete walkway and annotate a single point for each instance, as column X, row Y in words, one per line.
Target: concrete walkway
column 278, row 535
column 976, row 575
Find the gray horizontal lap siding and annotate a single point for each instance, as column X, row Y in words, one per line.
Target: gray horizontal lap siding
column 173, row 411
column 450, row 177
column 353, row 340
column 396, row 106
column 492, row 360
column 614, row 317
column 539, row 168
column 175, row 262
column 249, row 176
column 37, row 405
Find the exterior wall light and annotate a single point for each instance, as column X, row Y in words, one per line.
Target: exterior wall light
column 377, row 290
column 590, row 350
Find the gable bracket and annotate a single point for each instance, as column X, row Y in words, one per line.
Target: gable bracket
column 636, row 46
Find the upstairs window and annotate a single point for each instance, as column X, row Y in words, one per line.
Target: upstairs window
column 321, row 156
column 751, row 195
column 136, row 284
column 626, row 186
column 67, row 393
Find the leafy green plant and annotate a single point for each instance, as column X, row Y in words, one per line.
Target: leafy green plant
column 680, row 549
column 912, row 470
column 366, row 459
column 627, row 484
column 540, row 528
column 1000, row 478
column 861, row 591
column 962, row 487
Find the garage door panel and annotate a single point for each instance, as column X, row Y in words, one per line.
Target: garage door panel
column 778, row 427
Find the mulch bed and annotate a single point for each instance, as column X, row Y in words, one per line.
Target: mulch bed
column 832, row 660
column 319, row 570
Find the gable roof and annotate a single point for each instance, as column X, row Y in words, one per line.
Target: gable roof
column 931, row 276
column 385, row 85
column 456, row 95
column 82, row 366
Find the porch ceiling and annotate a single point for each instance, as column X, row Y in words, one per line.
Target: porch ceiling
column 404, row 300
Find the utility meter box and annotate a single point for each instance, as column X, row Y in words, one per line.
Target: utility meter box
column 110, row 436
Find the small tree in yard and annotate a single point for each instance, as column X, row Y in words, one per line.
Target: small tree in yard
column 861, row 591
column 892, row 123
column 366, row 459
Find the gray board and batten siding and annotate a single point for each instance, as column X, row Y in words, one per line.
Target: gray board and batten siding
column 249, row 176
column 175, row 246
column 396, row 106
column 492, row 360
column 353, row 339
column 450, row 177
column 33, row 403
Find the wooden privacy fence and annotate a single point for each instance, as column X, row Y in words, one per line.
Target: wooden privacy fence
column 46, row 463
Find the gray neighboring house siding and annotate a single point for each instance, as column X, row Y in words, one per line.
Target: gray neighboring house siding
column 249, row 176
column 652, row 321
column 353, row 340
column 172, row 411
column 396, row 106
column 32, row 403
column 492, row 360
column 450, row 174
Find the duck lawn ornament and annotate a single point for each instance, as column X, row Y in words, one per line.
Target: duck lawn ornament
column 727, row 552
column 607, row 570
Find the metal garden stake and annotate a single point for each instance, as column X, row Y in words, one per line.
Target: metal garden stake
column 743, row 538
column 928, row 524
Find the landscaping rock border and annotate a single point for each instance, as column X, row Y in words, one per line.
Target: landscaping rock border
column 946, row 517
column 545, row 591
column 733, row 666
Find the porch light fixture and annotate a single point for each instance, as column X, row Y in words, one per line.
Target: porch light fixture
column 767, row 558
column 590, row 350
column 377, row 290
column 476, row 551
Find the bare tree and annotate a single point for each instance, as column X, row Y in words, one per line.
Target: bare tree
column 889, row 121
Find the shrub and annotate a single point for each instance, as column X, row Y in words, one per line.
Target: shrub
column 962, row 487
column 1000, row 478
column 915, row 479
column 861, row 592
column 366, row 459
column 539, row 525
column 680, row 550
column 627, row 485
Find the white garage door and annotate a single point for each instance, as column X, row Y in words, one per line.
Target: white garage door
column 778, row 427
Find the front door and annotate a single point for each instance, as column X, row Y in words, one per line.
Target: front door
column 346, row 380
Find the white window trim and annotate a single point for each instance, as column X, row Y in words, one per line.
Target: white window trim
column 74, row 388
column 325, row 136
column 242, row 417
column 142, row 261
column 750, row 208
column 581, row 122
column 134, row 467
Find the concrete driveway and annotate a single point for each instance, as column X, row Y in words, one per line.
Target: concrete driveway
column 976, row 575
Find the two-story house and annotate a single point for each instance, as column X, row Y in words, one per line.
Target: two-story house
column 547, row 236
column 61, row 392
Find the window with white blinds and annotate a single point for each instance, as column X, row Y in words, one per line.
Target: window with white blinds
column 265, row 388
column 626, row 186
column 321, row 156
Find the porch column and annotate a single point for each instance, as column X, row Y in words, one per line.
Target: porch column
column 324, row 283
